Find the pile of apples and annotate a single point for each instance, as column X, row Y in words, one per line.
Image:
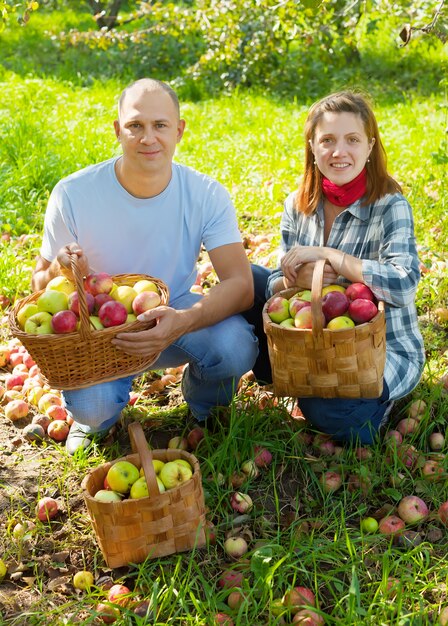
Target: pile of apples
column 56, row 310
column 124, row 480
column 341, row 307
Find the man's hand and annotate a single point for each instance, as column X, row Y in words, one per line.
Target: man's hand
column 64, row 260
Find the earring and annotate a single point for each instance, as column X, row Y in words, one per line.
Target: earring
column 314, row 161
column 368, row 160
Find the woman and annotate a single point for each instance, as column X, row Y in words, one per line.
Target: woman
column 349, row 211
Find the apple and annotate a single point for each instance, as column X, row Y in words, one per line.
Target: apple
column 33, row 432
column 15, row 381
column 369, row 525
column 298, row 596
column 99, row 300
column 235, row 547
column 307, row 617
column 47, row 400
column 157, row 465
column 52, row 302
column 58, row 430
column 125, row 295
column 443, row 513
column 60, row 283
column 433, row 471
column 39, row 324
column 119, row 594
column 16, row 409
column 288, row 323
column 357, row 291
column 64, row 322
column 99, row 282
column 436, row 441
column 107, row 613
column 3, row 570
column 407, row 425
column 305, row 295
column 393, row 437
column 144, row 611
column 412, row 509
column 362, row 310
column 28, row 360
column 144, row 301
column 56, row 412
column 41, row 420
column 330, row 481
column 139, row 489
column 95, row 321
column 408, row 455
column 295, row 304
column 130, row 318
column 334, row 304
column 83, row 580
column 263, row 457
column 46, row 509
column 303, row 318
column 241, row 502
column 173, row 474
column 194, row 437
column 340, row 322
column 417, row 409
column 222, row 619
column 178, row 443
column 230, row 579
column 145, row 285
column 330, row 288
column 184, row 463
column 73, row 303
column 122, row 475
column 391, row 525
column 112, row 314
column 24, row 313
column 235, row 599
column 278, row 309
column 443, row 617
column 107, row 495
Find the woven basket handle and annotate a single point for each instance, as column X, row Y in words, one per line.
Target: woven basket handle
column 316, row 297
column 140, row 445
column 84, row 319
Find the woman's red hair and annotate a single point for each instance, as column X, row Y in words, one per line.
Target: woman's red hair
column 379, row 182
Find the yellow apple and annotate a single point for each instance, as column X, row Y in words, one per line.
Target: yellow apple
column 122, row 475
column 140, row 488
column 107, row 495
column 184, row 463
column 25, row 312
column 337, row 323
column 157, row 467
column 60, row 283
column 3, row 569
column 329, row 288
column 52, row 301
column 83, row 580
column 173, row 474
column 125, row 295
column 145, row 285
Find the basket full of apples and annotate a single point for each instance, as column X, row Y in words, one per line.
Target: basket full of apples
column 327, row 342
column 68, row 327
column 146, row 505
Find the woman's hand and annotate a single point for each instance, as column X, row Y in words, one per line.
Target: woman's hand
column 298, row 266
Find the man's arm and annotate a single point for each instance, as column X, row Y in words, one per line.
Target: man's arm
column 233, row 294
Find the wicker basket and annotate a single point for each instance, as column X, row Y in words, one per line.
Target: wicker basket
column 131, row 531
column 325, row 363
column 86, row 356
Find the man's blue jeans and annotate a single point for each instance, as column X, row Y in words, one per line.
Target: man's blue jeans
column 217, row 357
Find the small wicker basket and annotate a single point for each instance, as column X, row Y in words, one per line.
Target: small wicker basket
column 86, row 356
column 325, row 363
column 131, row 531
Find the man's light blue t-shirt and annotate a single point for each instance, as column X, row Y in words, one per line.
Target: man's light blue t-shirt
column 159, row 236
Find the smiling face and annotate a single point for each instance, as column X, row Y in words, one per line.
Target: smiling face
column 148, row 129
column 340, row 146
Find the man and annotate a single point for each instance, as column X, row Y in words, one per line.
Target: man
column 143, row 213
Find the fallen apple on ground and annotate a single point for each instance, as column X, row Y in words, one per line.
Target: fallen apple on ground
column 46, row 509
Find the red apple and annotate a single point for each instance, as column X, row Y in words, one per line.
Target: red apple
column 58, row 430
column 391, row 525
column 241, row 502
column 222, row 619
column 100, row 299
column 144, row 301
column 359, row 290
column 16, row 409
column 298, row 596
column 412, row 509
column 230, row 579
column 119, row 594
column 15, row 381
column 295, row 304
column 278, row 309
column 408, row 455
column 56, row 412
column 64, row 322
column 362, row 310
column 194, row 437
column 99, row 282
column 46, row 509
column 307, row 617
column 235, row 600
column 47, row 400
column 263, row 457
column 107, row 613
column 41, row 420
column 407, row 425
column 303, row 318
column 393, row 437
column 330, row 481
column 73, row 303
column 112, row 314
column 334, row 304
column 443, row 513
column 433, row 471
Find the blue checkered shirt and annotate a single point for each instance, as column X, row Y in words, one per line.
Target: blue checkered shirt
column 382, row 235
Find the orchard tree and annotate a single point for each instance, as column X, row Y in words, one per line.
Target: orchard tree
column 22, row 10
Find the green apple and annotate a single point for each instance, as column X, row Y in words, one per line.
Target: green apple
column 106, row 495
column 3, row 570
column 157, row 465
column 369, row 525
column 288, row 323
column 173, row 474
column 39, row 324
column 95, row 321
column 329, row 288
column 60, row 283
column 131, row 318
column 342, row 321
column 305, row 295
column 52, row 301
column 122, row 475
column 25, row 312
column 140, row 488
column 83, row 580
column 145, row 285
column 125, row 295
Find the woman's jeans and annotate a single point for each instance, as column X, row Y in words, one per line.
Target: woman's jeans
column 217, row 357
column 343, row 419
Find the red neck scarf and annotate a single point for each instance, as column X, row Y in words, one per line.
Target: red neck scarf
column 347, row 194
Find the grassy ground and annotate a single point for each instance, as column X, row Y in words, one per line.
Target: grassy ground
column 297, row 533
